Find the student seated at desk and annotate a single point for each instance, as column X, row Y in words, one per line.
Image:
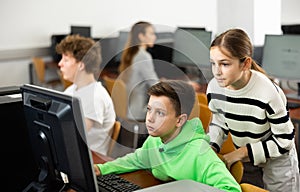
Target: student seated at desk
column 80, row 64
column 177, row 148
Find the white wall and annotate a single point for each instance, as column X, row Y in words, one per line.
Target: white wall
column 290, row 12
column 236, row 13
column 30, row 23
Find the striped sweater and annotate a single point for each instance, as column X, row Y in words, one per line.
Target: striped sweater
column 256, row 116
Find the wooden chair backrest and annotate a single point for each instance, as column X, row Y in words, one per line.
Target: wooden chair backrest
column 247, row 187
column 109, row 83
column 39, row 66
column 205, row 116
column 202, row 98
column 114, row 137
column 119, row 98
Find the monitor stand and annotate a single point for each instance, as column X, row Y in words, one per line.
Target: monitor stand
column 295, row 96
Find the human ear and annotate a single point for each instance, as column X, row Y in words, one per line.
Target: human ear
column 141, row 37
column 181, row 120
column 247, row 63
column 81, row 65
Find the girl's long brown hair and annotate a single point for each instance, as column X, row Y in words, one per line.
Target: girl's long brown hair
column 132, row 44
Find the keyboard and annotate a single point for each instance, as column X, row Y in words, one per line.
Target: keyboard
column 293, row 105
column 115, row 183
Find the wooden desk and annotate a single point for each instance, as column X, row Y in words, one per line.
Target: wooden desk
column 295, row 113
column 142, row 178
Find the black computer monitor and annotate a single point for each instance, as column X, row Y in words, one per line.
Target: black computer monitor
column 122, row 39
column 291, row 29
column 191, row 48
column 18, row 163
column 57, row 137
column 281, row 58
column 81, row 30
column 56, row 39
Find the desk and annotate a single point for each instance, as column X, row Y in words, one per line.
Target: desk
column 295, row 113
column 142, row 178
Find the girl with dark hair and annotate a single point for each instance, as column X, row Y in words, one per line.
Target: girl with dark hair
column 137, row 68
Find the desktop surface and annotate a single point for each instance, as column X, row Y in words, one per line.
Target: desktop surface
column 149, row 183
column 179, row 186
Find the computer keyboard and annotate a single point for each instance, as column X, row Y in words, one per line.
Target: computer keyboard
column 115, row 183
column 293, row 105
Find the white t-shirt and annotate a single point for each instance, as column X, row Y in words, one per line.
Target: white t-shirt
column 96, row 105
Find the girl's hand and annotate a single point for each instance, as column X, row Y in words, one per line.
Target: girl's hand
column 240, row 154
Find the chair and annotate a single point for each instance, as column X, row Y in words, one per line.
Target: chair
column 134, row 132
column 195, row 110
column 227, row 145
column 246, row 187
column 205, row 116
column 114, row 137
column 46, row 75
column 202, row 111
column 236, row 169
column 109, row 83
column 202, row 98
column 119, row 98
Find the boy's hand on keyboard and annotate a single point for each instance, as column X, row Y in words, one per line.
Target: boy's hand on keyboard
column 97, row 170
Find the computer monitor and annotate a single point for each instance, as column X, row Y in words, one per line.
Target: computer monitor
column 108, row 51
column 57, row 137
column 191, row 48
column 56, row 39
column 18, row 151
column 291, row 29
column 122, row 39
column 281, row 58
column 81, row 30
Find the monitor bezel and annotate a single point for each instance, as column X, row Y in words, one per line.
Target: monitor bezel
column 74, row 146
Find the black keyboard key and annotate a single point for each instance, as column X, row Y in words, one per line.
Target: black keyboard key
column 115, row 183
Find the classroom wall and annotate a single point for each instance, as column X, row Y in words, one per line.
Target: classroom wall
column 290, row 13
column 30, row 23
column 26, row 26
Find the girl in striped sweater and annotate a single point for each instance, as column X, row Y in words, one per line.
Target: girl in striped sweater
column 253, row 109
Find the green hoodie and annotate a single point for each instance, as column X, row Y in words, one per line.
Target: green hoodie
column 188, row 156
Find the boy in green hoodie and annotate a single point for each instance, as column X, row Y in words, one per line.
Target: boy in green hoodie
column 177, row 148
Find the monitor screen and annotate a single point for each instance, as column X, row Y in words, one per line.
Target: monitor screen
column 108, row 51
column 281, row 58
column 56, row 39
column 191, row 52
column 81, row 30
column 191, row 47
column 57, row 137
